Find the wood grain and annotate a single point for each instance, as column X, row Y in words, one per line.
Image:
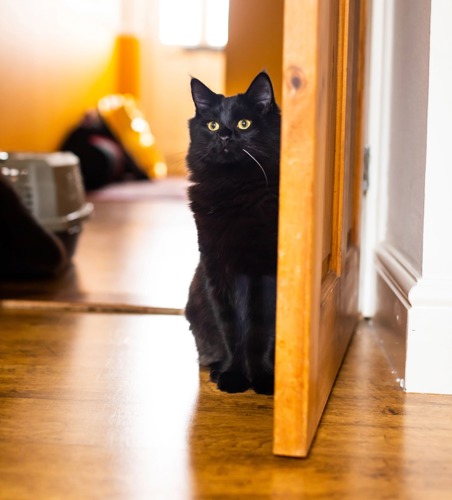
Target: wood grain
column 343, row 75
column 105, row 307
column 301, row 201
column 362, row 85
column 112, row 406
column 317, row 305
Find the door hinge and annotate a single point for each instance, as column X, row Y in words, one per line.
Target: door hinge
column 366, row 163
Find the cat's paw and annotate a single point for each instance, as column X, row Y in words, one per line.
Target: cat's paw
column 231, row 381
column 215, row 370
column 264, row 383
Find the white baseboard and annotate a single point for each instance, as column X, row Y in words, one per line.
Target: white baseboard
column 415, row 315
column 395, row 279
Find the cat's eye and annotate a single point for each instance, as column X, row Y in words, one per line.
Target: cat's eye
column 213, row 126
column 244, row 124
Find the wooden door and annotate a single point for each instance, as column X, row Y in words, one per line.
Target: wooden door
column 319, row 205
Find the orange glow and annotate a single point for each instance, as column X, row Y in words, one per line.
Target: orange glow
column 128, row 48
column 124, row 118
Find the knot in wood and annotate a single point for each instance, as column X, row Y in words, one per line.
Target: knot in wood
column 295, row 79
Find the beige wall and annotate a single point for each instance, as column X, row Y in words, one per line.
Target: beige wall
column 255, row 43
column 165, row 88
column 56, row 62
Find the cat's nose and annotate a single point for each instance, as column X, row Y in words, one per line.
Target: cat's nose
column 224, row 139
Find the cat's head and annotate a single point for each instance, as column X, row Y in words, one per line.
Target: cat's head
column 229, row 131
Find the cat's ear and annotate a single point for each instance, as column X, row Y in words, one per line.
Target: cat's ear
column 260, row 93
column 203, row 97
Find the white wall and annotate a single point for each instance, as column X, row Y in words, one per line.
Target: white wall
column 376, row 138
column 396, row 134
column 406, row 219
column 408, row 129
column 429, row 340
column 438, row 196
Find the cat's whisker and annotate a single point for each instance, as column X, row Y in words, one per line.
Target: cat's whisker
column 260, row 166
column 199, row 157
column 255, row 149
column 203, row 156
column 178, row 158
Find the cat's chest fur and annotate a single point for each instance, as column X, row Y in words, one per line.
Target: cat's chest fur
column 237, row 230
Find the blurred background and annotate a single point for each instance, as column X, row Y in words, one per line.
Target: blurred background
column 59, row 57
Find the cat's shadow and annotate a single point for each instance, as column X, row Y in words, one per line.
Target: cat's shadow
column 231, row 426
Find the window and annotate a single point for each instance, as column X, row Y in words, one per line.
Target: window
column 194, row 23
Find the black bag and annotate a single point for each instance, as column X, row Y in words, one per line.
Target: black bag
column 103, row 158
column 27, row 249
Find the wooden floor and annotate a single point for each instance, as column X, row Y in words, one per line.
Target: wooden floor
column 113, row 406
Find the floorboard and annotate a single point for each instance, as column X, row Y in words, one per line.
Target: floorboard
column 100, row 398
column 114, row 406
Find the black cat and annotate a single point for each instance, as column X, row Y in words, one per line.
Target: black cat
column 233, row 162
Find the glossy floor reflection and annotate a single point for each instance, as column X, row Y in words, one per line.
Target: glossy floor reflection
column 113, row 406
column 95, row 403
column 138, row 249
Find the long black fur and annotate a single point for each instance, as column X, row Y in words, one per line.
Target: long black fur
column 234, row 199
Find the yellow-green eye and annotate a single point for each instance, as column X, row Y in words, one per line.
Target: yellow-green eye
column 244, row 124
column 213, row 126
